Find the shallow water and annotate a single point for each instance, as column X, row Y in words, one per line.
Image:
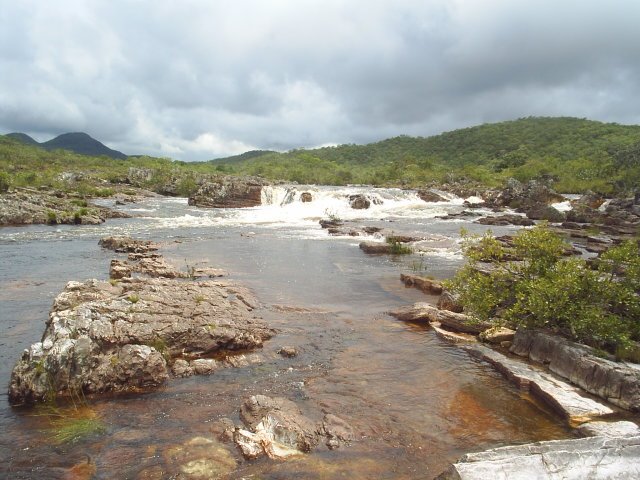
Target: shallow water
column 416, row 403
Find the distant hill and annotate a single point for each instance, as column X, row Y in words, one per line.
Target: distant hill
column 580, row 154
column 243, row 156
column 77, row 142
column 23, row 137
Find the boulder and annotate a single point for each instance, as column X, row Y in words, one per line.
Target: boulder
column 103, row 337
column 306, row 197
column 429, row 195
column 545, row 212
column 288, row 351
column 425, row 312
column 575, row 459
column 449, row 301
column 359, row 202
column 525, row 196
column 616, row 382
column 229, row 192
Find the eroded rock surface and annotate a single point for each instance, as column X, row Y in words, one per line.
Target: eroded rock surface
column 617, row 382
column 229, row 192
column 116, row 336
column 425, row 312
column 276, row 427
column 596, row 458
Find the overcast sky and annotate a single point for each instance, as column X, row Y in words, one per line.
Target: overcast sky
column 196, row 80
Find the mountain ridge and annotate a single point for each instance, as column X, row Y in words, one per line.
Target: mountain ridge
column 77, row 142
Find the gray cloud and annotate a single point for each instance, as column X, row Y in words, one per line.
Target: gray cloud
column 195, row 80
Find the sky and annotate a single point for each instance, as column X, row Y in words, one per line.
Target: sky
column 196, row 80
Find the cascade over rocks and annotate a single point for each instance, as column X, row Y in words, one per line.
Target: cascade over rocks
column 135, row 333
column 229, row 192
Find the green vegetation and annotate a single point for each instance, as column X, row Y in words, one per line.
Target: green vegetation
column 52, row 218
column 134, row 298
column 398, row 248
column 578, row 154
column 598, row 305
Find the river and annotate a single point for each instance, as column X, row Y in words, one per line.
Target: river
column 416, row 402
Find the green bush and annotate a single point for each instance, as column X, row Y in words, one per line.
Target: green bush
column 5, row 182
column 541, row 289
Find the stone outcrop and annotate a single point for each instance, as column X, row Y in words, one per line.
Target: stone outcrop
column 376, row 247
column 27, row 206
column 545, row 212
column 616, row 382
column 133, row 334
column 596, row 458
column 566, row 399
column 229, row 192
column 497, row 335
column 622, row 428
column 276, row 427
column 526, row 196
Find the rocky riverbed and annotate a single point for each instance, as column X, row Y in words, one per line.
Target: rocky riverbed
column 302, row 363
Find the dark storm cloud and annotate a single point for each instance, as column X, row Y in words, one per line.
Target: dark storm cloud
column 198, row 79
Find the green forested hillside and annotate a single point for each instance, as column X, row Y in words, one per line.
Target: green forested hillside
column 579, row 154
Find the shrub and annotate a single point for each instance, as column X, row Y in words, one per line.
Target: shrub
column 5, row 182
column 52, row 217
column 600, row 307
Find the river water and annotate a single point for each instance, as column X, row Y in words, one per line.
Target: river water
column 416, row 403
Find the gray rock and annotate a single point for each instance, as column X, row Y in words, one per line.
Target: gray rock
column 102, row 337
column 609, row 429
column 425, row 312
column 545, row 212
column 127, row 245
column 449, row 301
column 229, row 192
column 564, row 398
column 429, row 195
column 595, row 458
column 359, row 202
column 617, row 382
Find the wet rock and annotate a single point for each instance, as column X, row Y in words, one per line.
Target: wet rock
column 204, row 366
column 450, row 336
column 102, row 337
column 509, row 219
column 449, row 301
column 359, row 202
column 199, row 458
column 127, row 245
column 243, row 360
column 402, row 238
column 224, row 429
column 306, row 197
column 497, row 335
column 616, row 382
column 609, row 429
column 526, row 196
column 421, row 283
column 545, row 212
column 429, row 195
column 278, row 429
column 424, row 312
column 331, row 223
column 455, row 216
column 376, row 247
column 564, row 398
column 288, row 351
column 229, row 192
column 182, row 368
column 120, row 269
column 575, row 459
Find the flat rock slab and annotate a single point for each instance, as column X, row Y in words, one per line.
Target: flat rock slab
column 425, row 312
column 592, row 458
column 616, row 382
column 622, row 428
column 564, row 398
column 126, row 335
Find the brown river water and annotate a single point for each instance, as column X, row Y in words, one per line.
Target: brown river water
column 416, row 403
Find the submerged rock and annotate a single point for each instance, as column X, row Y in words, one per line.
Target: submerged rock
column 425, row 284
column 425, row 312
column 276, row 427
column 103, row 337
column 229, row 192
column 429, row 195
